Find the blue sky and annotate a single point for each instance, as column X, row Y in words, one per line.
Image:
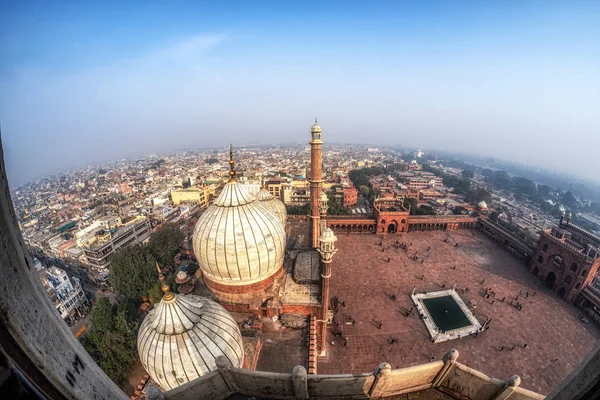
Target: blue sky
column 97, row 81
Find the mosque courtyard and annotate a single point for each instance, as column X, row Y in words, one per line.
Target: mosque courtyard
column 542, row 342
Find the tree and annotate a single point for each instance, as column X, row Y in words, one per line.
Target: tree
column 364, row 190
column 487, row 173
column 524, row 186
column 102, row 315
column 211, row 160
column 164, row 243
column 478, row 194
column 543, row 191
column 468, row 174
column 335, row 207
column 299, row 210
column 114, row 349
column 133, row 271
column 425, row 210
column 502, row 179
column 494, row 216
column 458, row 210
column 569, row 200
column 410, row 203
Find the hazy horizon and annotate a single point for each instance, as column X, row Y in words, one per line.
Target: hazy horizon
column 87, row 83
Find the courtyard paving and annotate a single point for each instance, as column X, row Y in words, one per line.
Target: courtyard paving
column 556, row 341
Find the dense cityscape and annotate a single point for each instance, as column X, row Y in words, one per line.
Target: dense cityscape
column 96, row 233
column 391, row 200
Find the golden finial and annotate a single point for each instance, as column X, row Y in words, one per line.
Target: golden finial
column 231, row 165
column 165, row 286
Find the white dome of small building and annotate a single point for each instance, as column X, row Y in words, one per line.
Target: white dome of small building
column 482, row 205
column 273, row 204
column 180, row 339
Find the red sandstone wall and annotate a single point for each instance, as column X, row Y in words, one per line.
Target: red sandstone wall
column 543, row 269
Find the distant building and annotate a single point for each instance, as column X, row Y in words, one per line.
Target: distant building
column 418, row 183
column 200, row 196
column 567, row 259
column 104, row 243
column 126, row 189
column 69, row 298
column 275, row 187
column 589, row 218
column 165, row 215
column 429, row 194
column 350, row 197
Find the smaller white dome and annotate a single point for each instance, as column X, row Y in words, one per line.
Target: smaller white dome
column 181, row 338
column 482, row 205
column 327, row 235
column 273, row 204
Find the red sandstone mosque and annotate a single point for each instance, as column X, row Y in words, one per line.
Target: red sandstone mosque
column 240, row 244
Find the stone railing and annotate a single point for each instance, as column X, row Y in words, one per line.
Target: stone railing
column 579, row 231
column 461, row 218
column 358, row 217
column 514, row 240
column 447, row 376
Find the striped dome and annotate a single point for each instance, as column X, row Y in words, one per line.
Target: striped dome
column 273, row 204
column 237, row 240
column 180, row 339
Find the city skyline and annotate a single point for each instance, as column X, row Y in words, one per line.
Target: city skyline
column 85, row 83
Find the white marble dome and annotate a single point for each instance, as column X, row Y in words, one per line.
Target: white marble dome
column 180, row 339
column 237, row 240
column 482, row 205
column 273, row 204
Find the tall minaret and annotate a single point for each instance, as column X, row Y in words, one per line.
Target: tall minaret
column 316, row 180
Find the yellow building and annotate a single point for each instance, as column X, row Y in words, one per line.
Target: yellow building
column 201, row 196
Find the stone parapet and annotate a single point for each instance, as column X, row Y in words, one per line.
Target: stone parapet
column 447, row 376
column 572, row 249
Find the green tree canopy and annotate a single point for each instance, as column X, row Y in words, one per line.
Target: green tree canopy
column 102, row 315
column 478, row 194
column 114, row 349
column 335, row 206
column 502, row 179
column 468, row 174
column 524, row 186
column 410, row 202
column 544, row 191
column 165, row 242
column 569, row 200
column 458, row 210
column 487, row 173
column 494, row 216
column 364, row 190
column 298, row 210
column 133, row 271
column 425, row 209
